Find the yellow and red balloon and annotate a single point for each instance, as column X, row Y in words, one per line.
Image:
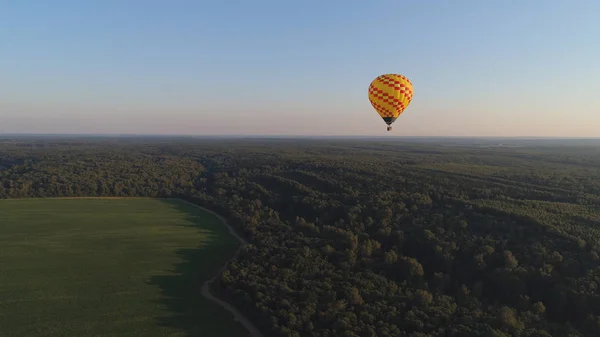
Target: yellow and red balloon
column 390, row 95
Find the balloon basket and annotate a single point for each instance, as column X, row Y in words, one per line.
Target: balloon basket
column 389, row 128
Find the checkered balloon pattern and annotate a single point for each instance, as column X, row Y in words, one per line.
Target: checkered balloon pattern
column 390, row 94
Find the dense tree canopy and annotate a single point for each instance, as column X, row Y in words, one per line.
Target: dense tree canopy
column 367, row 237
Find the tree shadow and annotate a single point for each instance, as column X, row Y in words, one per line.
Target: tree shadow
column 583, row 221
column 190, row 313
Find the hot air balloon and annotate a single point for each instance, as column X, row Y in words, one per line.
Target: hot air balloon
column 390, row 95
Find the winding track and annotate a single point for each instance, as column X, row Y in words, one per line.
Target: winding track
column 206, row 286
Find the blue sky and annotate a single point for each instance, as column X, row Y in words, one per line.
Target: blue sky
column 479, row 68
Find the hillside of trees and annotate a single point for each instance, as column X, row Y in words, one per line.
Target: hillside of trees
column 367, row 237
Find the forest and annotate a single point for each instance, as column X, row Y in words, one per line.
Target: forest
column 366, row 237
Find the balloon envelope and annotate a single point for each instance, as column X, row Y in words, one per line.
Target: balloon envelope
column 390, row 95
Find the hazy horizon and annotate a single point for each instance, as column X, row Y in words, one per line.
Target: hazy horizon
column 266, row 68
column 384, row 136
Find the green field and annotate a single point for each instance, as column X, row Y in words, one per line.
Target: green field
column 110, row 267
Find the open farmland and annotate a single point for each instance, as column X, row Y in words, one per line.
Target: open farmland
column 110, row 267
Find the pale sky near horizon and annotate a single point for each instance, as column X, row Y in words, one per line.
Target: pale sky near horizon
column 479, row 68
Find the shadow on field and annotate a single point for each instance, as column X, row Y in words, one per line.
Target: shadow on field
column 190, row 313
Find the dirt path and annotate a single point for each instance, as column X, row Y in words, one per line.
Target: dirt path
column 206, row 286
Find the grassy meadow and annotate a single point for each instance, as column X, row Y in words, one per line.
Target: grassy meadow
column 110, row 267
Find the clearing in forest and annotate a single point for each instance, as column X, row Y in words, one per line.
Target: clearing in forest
column 110, row 267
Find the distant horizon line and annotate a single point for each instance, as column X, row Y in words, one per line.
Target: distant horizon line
column 3, row 134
